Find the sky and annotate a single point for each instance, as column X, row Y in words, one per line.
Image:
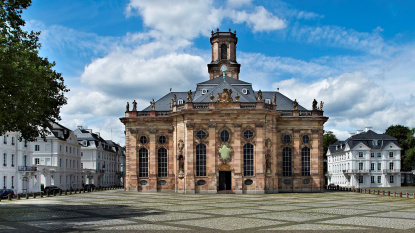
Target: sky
column 358, row 57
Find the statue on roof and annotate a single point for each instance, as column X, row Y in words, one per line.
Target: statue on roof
column 225, row 96
column 134, row 106
column 153, row 105
column 189, row 96
column 314, row 104
column 295, row 104
column 127, row 108
column 321, row 105
column 274, row 99
column 174, row 100
column 259, row 97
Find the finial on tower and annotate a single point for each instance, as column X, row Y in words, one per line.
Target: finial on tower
column 224, row 68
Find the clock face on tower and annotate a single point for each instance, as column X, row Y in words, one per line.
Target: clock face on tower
column 223, row 68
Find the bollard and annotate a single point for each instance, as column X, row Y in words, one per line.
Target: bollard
column 66, row 192
column 70, row 192
column 413, row 195
column 18, row 196
column 34, row 195
column 378, row 191
column 9, row 197
column 60, row 192
column 41, row 195
column 54, row 193
column 407, row 195
column 389, row 193
column 394, row 194
column 400, row 194
column 75, row 191
column 27, row 195
column 48, row 193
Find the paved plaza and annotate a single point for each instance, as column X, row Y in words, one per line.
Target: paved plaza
column 116, row 210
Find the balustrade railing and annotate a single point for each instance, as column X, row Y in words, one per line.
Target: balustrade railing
column 27, row 168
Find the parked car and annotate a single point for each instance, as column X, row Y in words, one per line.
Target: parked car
column 89, row 186
column 5, row 192
column 52, row 188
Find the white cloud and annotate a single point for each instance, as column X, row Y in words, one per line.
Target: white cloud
column 238, row 3
column 308, row 15
column 260, row 20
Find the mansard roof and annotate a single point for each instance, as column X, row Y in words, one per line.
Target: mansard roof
column 215, row 86
column 369, row 138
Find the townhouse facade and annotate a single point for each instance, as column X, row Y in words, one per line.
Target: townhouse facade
column 365, row 160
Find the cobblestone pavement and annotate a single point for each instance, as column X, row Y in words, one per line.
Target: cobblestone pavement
column 116, row 210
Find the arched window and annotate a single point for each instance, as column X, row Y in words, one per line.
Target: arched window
column 286, row 162
column 143, row 162
column 248, row 160
column 201, row 160
column 223, row 52
column 305, row 161
column 162, row 162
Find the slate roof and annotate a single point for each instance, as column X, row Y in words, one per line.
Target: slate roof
column 371, row 139
column 216, row 86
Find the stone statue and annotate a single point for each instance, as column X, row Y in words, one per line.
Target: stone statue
column 268, row 164
column 259, row 96
column 180, row 146
column 295, row 104
column 321, row 105
column 127, row 108
column 174, row 100
column 211, row 97
column 134, row 106
column 225, row 96
column 274, row 99
column 189, row 96
column 314, row 104
column 153, row 105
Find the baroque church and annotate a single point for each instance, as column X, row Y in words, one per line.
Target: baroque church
column 224, row 137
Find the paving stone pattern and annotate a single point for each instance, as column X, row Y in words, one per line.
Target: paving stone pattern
column 119, row 211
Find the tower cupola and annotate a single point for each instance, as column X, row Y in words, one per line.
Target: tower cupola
column 223, row 53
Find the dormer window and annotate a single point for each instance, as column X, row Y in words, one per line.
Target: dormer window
column 268, row 101
column 180, row 102
column 245, row 91
column 204, row 91
column 84, row 143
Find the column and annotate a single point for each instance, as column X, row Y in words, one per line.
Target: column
column 131, row 161
column 189, row 158
column 211, row 165
column 152, row 162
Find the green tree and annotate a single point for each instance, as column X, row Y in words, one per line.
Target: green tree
column 400, row 132
column 409, row 160
column 31, row 92
column 328, row 139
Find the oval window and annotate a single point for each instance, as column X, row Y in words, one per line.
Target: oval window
column 287, row 181
column 224, row 136
column 143, row 139
column 201, row 182
column 249, row 182
column 306, row 181
column 201, row 134
column 306, row 139
column 143, row 182
column 248, row 134
column 162, row 139
column 162, row 182
column 287, row 139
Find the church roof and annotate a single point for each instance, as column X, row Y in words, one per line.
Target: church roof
column 214, row 86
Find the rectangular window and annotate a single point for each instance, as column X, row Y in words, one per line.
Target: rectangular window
column 4, row 159
column 391, row 179
column 379, row 179
column 379, row 154
column 391, row 166
column 12, row 182
column 12, row 160
column 372, row 166
column 286, row 162
column 70, row 149
column 162, row 162
column 37, row 161
column 66, row 162
column 391, row 154
column 379, row 166
column 60, row 147
column 248, row 150
column 60, row 162
column 372, row 154
column 82, row 153
column 142, row 162
column 82, row 165
column 66, row 149
column 37, row 148
column 360, row 166
column 4, row 182
column 372, row 179
column 12, row 140
column 361, row 179
column 4, row 139
column 360, row 154
column 305, row 161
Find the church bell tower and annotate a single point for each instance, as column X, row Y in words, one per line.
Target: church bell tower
column 223, row 53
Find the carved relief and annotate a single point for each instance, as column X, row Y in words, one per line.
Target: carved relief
column 211, row 125
column 225, row 154
column 224, row 99
column 268, row 164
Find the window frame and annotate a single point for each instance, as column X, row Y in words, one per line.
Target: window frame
column 201, row 160
column 162, row 162
column 286, row 161
column 305, row 161
column 143, row 163
column 248, row 156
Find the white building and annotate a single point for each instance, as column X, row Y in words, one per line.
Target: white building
column 365, row 160
column 58, row 158
column 16, row 169
column 103, row 161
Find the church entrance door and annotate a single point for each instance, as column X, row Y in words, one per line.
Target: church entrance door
column 225, row 180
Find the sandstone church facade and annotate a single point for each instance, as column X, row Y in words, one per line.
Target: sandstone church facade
column 224, row 137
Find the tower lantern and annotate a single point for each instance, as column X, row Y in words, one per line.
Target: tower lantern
column 223, row 53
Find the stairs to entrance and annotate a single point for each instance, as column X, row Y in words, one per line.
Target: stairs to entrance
column 225, row 192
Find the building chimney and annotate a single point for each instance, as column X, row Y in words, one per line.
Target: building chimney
column 79, row 126
column 351, row 134
column 97, row 133
column 359, row 131
column 367, row 128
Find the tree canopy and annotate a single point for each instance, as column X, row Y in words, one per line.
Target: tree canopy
column 328, row 139
column 31, row 91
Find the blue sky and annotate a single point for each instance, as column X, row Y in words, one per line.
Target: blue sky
column 356, row 56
